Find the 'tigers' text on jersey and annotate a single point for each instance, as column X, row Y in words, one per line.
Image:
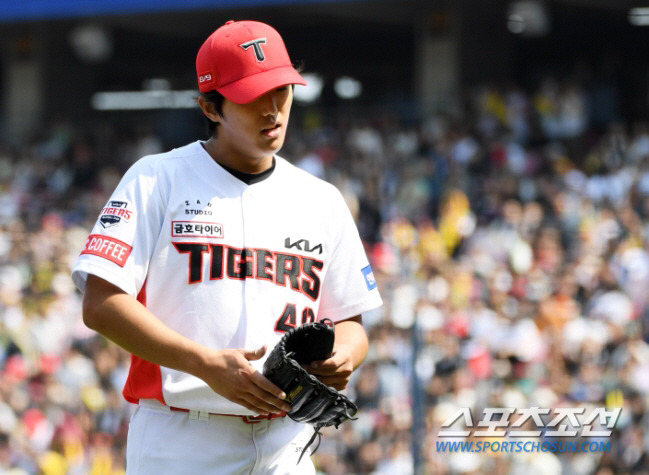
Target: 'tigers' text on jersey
column 299, row 273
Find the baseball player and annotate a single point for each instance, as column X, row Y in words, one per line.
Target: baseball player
column 206, row 255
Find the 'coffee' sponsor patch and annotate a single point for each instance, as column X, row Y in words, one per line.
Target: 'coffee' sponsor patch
column 109, row 248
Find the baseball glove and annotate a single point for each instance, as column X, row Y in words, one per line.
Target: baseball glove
column 311, row 401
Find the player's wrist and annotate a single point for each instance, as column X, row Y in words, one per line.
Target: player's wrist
column 200, row 361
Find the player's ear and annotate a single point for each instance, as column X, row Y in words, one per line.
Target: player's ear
column 209, row 109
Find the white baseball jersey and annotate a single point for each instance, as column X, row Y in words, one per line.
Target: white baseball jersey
column 226, row 264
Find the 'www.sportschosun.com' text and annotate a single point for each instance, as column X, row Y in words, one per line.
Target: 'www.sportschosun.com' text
column 522, row 446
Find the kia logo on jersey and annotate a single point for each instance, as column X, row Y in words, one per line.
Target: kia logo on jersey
column 302, row 245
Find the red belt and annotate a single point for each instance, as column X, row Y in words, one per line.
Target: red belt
column 246, row 419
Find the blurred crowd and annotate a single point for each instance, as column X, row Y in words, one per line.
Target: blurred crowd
column 509, row 240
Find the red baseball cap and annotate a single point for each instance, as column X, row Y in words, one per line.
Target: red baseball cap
column 243, row 60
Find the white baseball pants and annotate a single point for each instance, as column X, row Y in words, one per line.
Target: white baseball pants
column 166, row 442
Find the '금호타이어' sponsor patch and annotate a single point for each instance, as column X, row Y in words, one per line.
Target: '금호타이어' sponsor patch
column 196, row 229
column 370, row 281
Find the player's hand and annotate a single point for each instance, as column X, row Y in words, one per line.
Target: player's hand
column 335, row 371
column 232, row 376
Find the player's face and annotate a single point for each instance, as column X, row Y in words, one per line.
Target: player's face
column 250, row 134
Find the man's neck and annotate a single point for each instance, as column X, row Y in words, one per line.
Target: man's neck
column 231, row 161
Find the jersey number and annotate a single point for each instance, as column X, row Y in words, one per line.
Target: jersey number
column 288, row 319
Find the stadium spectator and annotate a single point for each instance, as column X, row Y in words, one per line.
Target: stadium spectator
column 511, row 240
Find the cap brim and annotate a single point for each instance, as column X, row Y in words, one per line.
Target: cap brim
column 248, row 89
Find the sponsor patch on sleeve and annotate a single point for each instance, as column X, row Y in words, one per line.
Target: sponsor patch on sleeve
column 370, row 281
column 114, row 213
column 109, row 248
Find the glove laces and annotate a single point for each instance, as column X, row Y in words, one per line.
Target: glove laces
column 318, row 434
column 315, row 433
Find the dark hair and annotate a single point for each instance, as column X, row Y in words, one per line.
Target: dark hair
column 217, row 99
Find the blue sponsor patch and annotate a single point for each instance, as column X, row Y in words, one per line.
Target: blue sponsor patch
column 369, row 277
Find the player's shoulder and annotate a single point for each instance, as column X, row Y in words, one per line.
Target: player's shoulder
column 170, row 159
column 301, row 178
